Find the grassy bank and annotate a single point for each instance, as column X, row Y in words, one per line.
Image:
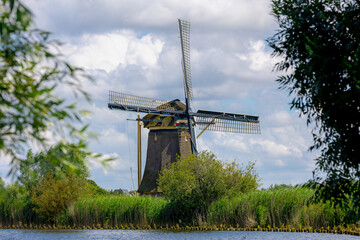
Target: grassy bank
column 277, row 208
column 116, row 211
column 284, row 208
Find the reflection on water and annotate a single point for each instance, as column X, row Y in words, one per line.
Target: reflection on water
column 23, row 234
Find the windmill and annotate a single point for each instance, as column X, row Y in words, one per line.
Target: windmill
column 171, row 123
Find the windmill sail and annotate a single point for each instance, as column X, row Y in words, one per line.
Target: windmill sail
column 132, row 100
column 227, row 122
column 128, row 102
column 184, row 28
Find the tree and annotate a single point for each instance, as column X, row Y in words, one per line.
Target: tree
column 52, row 196
column 55, row 178
column 193, row 183
column 30, row 71
column 59, row 161
column 318, row 42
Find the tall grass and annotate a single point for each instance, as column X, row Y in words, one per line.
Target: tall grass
column 275, row 208
column 15, row 206
column 117, row 210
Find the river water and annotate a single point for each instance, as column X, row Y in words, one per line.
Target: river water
column 24, row 234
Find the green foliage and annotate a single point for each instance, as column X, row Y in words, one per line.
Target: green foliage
column 116, row 210
column 239, row 180
column 60, row 161
column 193, row 183
column 321, row 215
column 276, row 208
column 55, row 178
column 318, row 42
column 2, row 186
column 95, row 190
column 281, row 207
column 53, row 196
column 30, row 71
column 15, row 205
column 45, row 199
column 280, row 186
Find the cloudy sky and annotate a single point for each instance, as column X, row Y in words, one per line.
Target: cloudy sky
column 133, row 47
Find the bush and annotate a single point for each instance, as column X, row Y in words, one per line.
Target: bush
column 193, row 183
column 53, row 196
column 54, row 179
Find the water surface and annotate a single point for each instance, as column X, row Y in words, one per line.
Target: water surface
column 24, row 234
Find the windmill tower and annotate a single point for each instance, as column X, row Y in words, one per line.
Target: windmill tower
column 171, row 123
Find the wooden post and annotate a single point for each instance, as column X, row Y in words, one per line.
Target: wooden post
column 139, row 151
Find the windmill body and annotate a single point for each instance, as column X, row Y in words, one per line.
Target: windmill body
column 171, row 123
column 166, row 142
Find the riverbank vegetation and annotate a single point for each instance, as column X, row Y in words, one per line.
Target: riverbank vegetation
column 279, row 207
column 46, row 185
column 285, row 208
column 43, row 195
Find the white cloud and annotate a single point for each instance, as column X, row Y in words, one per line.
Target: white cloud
column 273, row 149
column 233, row 142
column 258, row 59
column 77, row 17
column 108, row 51
column 281, row 118
column 118, row 164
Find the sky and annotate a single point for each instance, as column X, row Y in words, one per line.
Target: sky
column 133, row 47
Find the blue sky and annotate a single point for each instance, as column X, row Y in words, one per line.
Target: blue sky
column 133, row 47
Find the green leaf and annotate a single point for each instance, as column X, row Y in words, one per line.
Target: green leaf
column 12, row 3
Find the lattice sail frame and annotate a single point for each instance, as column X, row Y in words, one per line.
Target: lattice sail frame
column 226, row 125
column 133, row 100
column 184, row 29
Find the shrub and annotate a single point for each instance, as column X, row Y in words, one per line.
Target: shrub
column 53, row 196
column 193, row 183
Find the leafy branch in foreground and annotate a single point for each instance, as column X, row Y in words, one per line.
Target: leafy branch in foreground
column 31, row 69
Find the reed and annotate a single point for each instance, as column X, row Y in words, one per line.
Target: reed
column 275, row 208
column 15, row 206
column 111, row 211
column 266, row 209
